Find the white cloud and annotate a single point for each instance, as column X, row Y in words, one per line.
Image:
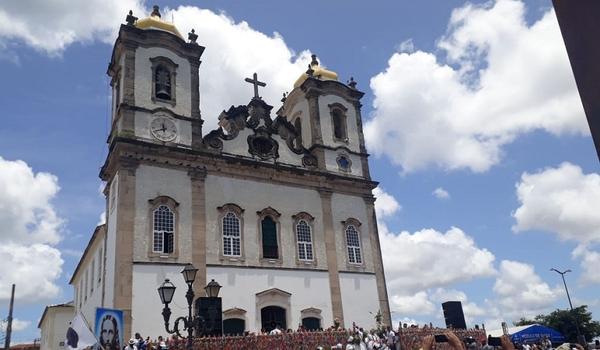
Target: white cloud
column 428, row 258
column 34, row 269
column 563, row 200
column 590, row 260
column 17, row 325
column 31, row 229
column 501, row 78
column 418, row 264
column 412, row 304
column 406, row 46
column 385, row 205
column 233, row 52
column 52, row 25
column 102, row 219
column 441, row 193
column 521, row 292
column 26, row 214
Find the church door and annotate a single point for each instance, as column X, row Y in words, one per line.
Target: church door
column 234, row 326
column 271, row 316
column 269, row 238
column 311, row 323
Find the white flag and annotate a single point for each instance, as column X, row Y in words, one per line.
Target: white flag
column 79, row 335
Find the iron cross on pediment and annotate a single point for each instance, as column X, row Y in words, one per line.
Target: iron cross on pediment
column 254, row 81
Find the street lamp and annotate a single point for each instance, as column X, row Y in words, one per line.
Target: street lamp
column 166, row 292
column 580, row 338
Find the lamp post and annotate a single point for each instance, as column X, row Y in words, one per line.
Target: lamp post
column 166, row 292
column 580, row 339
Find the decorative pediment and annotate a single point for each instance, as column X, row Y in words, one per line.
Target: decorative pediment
column 234, row 312
column 274, row 292
column 261, row 140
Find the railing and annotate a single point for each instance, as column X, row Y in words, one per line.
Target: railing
column 410, row 339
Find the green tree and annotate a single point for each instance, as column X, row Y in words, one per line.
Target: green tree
column 564, row 321
column 524, row 322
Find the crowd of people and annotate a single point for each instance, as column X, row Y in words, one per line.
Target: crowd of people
column 355, row 338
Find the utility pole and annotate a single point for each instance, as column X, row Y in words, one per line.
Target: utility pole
column 9, row 320
column 580, row 338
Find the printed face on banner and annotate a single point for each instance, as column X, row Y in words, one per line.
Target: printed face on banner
column 109, row 328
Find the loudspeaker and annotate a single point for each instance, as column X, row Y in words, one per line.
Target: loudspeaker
column 453, row 314
column 211, row 311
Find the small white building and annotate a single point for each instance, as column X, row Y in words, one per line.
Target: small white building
column 278, row 209
column 54, row 324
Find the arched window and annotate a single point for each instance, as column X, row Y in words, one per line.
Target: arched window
column 304, row 239
column 269, row 238
column 162, row 83
column 231, row 235
column 353, row 243
column 298, row 127
column 339, row 125
column 163, row 230
column 164, row 74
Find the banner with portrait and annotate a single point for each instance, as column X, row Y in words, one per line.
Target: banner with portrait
column 108, row 328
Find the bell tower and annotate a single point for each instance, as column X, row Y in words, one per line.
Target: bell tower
column 326, row 114
column 155, row 111
column 155, row 83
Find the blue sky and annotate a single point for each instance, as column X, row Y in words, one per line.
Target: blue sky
column 488, row 175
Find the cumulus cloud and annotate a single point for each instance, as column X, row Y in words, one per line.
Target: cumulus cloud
column 31, row 229
column 441, row 193
column 233, row 52
column 500, row 78
column 419, row 265
column 386, row 205
column 17, row 325
column 590, row 260
column 429, row 258
column 521, row 292
column 52, row 25
column 412, row 304
column 562, row 200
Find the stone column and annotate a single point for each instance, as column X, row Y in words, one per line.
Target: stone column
column 195, row 100
column 128, row 100
column 384, row 305
column 124, row 241
column 361, row 140
column 199, row 229
column 315, row 128
column 331, row 253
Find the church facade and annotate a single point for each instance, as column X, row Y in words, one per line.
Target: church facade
column 276, row 206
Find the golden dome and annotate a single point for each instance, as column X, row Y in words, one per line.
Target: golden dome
column 155, row 22
column 317, row 72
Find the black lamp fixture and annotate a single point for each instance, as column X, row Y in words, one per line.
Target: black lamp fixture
column 189, row 273
column 212, row 289
column 191, row 324
column 166, row 292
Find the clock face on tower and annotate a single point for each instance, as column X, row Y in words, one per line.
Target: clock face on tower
column 163, row 129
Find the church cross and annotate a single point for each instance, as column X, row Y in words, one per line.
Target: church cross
column 256, row 84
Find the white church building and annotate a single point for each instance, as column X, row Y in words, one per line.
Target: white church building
column 276, row 206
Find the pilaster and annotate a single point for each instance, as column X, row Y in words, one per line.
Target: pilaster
column 361, row 140
column 384, row 305
column 315, row 128
column 331, row 253
column 124, row 241
column 127, row 115
column 198, row 177
column 195, row 112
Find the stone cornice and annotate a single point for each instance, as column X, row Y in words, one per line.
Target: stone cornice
column 125, row 150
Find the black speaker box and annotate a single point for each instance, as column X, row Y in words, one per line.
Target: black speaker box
column 453, row 314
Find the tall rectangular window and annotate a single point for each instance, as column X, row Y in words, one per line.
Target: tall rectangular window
column 269, row 238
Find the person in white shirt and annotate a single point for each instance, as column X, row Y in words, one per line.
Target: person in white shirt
column 131, row 345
